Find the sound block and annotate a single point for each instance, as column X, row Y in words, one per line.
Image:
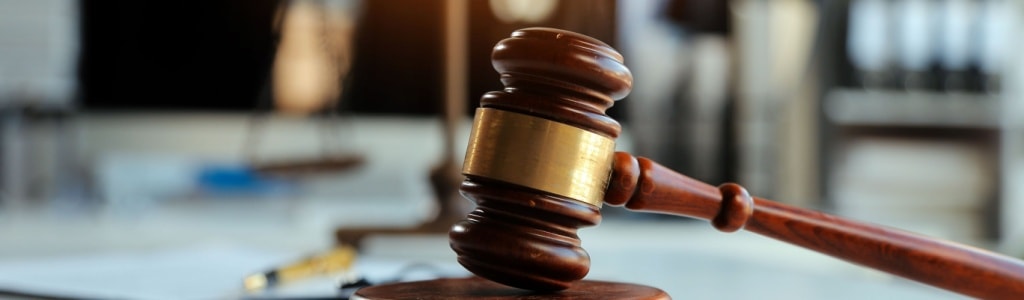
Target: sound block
column 479, row 288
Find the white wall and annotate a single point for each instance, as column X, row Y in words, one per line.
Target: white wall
column 38, row 51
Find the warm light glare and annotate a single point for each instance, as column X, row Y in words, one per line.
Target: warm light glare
column 310, row 59
column 526, row 11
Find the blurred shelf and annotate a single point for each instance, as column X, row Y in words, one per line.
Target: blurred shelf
column 912, row 109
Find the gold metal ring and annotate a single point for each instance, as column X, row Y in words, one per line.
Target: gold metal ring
column 540, row 154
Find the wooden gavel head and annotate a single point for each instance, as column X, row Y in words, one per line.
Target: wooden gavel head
column 539, row 159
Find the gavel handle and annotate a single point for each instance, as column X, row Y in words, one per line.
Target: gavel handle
column 642, row 185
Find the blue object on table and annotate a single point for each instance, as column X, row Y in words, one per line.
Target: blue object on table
column 240, row 180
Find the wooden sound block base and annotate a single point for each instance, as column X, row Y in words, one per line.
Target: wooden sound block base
column 479, row 288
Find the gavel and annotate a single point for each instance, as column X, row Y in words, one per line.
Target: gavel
column 541, row 161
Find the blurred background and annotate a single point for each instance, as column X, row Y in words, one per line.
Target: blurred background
column 166, row 149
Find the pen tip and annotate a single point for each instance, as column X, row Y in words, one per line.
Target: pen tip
column 255, row 282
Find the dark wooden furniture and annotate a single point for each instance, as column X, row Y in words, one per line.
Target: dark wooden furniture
column 479, row 288
column 523, row 232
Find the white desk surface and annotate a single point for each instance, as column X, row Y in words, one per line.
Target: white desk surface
column 689, row 260
column 201, row 249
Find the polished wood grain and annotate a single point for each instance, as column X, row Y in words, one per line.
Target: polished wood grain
column 642, row 185
column 527, row 238
column 524, row 237
column 482, row 289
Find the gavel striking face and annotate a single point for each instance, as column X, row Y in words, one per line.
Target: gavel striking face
column 541, row 162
